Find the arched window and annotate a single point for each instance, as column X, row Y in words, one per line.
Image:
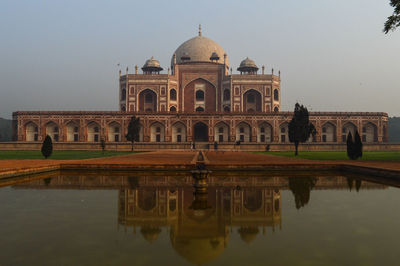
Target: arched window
column 221, row 130
column 172, row 95
column 276, row 95
column 199, row 95
column 276, row 109
column 250, row 98
column 227, row 109
column 148, row 98
column 199, row 109
column 227, row 95
column 123, row 94
column 172, row 109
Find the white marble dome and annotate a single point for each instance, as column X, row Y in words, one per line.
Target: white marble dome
column 199, row 49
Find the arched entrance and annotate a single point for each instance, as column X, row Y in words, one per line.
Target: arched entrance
column 200, row 132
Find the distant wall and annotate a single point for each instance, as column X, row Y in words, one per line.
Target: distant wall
column 146, row 146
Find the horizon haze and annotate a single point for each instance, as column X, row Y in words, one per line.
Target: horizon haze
column 333, row 56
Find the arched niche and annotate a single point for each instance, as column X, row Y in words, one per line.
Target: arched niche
column 31, row 131
column 114, row 132
column 172, row 95
column 284, row 132
column 243, row 132
column 147, row 101
column 369, row 133
column 346, row 128
column 157, row 132
column 221, row 132
column 93, row 132
column 200, row 132
column 328, row 132
column 199, row 93
column 72, row 131
column 264, row 133
column 52, row 130
column 252, row 101
column 178, row 132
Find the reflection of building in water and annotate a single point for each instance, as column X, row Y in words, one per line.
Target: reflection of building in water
column 199, row 227
column 200, row 235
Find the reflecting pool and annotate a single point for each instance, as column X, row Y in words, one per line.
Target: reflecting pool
column 231, row 218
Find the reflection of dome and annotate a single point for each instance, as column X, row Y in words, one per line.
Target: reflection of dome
column 247, row 65
column 199, row 49
column 248, row 234
column 150, row 233
column 199, row 250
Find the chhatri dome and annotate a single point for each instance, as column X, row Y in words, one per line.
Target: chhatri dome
column 248, row 66
column 200, row 49
column 152, row 66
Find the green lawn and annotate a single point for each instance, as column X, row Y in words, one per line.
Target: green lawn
column 339, row 155
column 58, row 155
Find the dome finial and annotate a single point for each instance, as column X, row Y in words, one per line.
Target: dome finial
column 199, row 29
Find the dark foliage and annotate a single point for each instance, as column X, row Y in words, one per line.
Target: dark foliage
column 47, row 181
column 133, row 130
column 358, row 184
column 301, row 188
column 47, row 147
column 350, row 145
column 103, row 145
column 350, row 182
column 5, row 129
column 300, row 127
column 358, row 146
column 393, row 21
column 394, row 129
column 133, row 182
column 354, row 147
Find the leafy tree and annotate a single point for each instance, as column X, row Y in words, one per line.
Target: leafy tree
column 300, row 127
column 354, row 147
column 103, row 145
column 47, row 147
column 133, row 130
column 301, row 188
column 393, row 21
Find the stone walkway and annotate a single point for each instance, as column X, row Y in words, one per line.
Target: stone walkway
column 181, row 159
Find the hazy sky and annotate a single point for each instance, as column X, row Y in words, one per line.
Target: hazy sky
column 63, row 55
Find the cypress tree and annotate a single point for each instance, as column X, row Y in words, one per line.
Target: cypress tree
column 102, row 145
column 133, row 130
column 300, row 127
column 358, row 146
column 350, row 146
column 354, row 147
column 47, row 147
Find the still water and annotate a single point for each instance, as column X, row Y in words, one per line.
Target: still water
column 71, row 218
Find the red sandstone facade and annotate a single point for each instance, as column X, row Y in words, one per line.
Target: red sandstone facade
column 199, row 100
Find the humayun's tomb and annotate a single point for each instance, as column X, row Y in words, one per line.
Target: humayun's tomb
column 198, row 100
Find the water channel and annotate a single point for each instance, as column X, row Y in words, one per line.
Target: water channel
column 230, row 218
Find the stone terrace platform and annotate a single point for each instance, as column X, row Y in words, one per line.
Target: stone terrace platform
column 186, row 160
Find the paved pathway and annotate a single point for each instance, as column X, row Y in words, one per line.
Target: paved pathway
column 181, row 159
